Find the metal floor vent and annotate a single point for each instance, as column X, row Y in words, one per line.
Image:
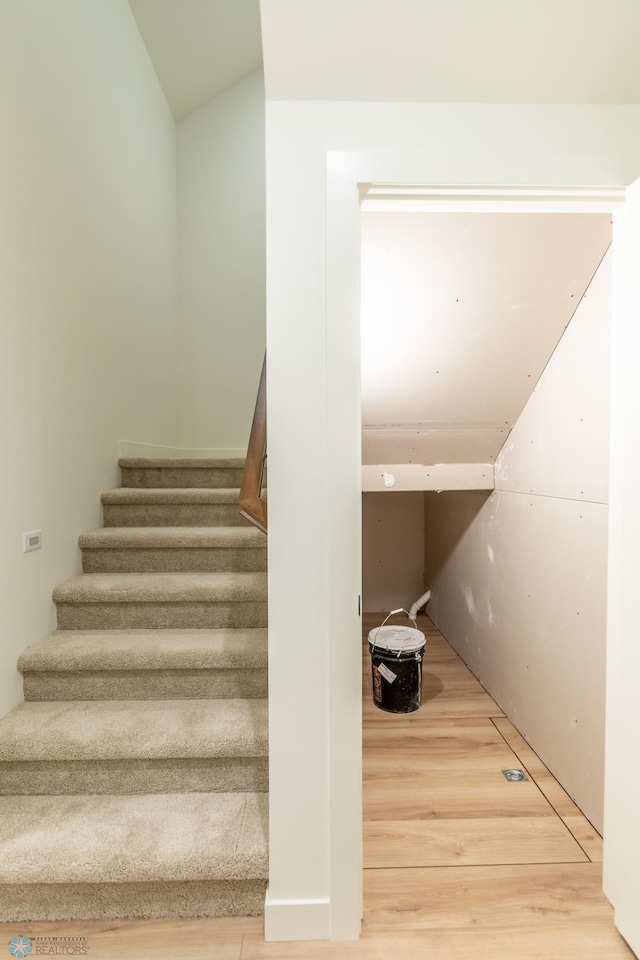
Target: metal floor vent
column 515, row 775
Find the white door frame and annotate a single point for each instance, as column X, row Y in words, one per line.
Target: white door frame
column 398, row 178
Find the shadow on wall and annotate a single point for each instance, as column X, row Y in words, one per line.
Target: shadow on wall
column 393, row 550
column 460, row 508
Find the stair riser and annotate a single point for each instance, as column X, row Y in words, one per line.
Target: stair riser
column 176, row 477
column 112, row 901
column 131, row 616
column 198, row 684
column 217, row 775
column 165, row 560
column 173, row 515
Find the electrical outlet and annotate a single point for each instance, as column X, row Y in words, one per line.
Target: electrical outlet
column 31, row 540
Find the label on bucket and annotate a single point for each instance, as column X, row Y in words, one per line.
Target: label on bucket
column 377, row 685
column 389, row 675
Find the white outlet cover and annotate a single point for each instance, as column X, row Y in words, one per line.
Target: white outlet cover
column 31, row 540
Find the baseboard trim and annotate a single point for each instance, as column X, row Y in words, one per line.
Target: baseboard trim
column 131, row 448
column 296, row 919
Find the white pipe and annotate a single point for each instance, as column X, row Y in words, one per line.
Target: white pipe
column 420, row 602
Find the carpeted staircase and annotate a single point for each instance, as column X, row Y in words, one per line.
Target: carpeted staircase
column 133, row 779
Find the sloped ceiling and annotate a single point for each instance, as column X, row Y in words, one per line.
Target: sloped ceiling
column 460, row 315
column 497, row 51
column 494, row 51
column 199, row 48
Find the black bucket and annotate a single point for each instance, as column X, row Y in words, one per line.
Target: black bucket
column 396, row 666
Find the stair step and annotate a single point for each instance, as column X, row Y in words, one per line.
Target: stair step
column 174, row 549
column 146, row 665
column 165, row 600
column 153, row 507
column 133, row 779
column 83, row 857
column 156, row 472
column 134, row 746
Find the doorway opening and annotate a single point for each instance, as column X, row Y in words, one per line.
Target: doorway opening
column 485, row 408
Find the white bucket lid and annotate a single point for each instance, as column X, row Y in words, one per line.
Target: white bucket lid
column 397, row 639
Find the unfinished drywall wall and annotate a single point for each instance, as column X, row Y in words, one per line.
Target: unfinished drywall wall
column 221, row 197
column 88, row 280
column 392, row 550
column 519, row 586
column 460, row 313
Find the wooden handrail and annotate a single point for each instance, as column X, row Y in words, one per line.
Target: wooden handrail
column 252, row 504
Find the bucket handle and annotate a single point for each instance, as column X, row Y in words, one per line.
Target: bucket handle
column 389, row 615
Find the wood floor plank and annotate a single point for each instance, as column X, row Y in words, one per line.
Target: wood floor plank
column 489, row 912
column 406, row 726
column 591, row 942
column 586, row 835
column 496, row 897
column 445, row 743
column 400, row 793
column 296, row 950
column 428, row 756
column 497, row 840
column 196, row 938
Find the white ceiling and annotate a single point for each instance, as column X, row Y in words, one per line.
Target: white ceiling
column 460, row 314
column 502, row 51
column 199, row 48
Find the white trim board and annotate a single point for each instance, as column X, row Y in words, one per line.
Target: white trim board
column 296, row 919
column 346, row 173
column 132, row 448
column 413, row 198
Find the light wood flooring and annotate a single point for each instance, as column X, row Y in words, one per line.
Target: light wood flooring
column 460, row 864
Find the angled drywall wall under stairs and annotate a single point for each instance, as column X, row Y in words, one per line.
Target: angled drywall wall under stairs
column 460, row 314
column 519, row 581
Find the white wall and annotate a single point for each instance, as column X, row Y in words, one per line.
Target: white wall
column 88, row 281
column 621, row 876
column 392, row 550
column 314, row 432
column 221, row 196
column 520, row 591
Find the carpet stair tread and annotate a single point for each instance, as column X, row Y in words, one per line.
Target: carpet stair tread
column 170, row 495
column 140, row 838
column 162, row 588
column 79, row 650
column 142, row 472
column 176, row 538
column 134, row 729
